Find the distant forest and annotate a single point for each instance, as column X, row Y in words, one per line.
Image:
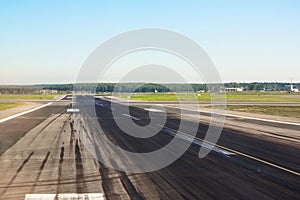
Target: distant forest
column 139, row 87
column 151, row 87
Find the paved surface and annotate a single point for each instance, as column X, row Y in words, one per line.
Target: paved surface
column 12, row 111
column 42, row 153
column 228, row 103
column 137, row 102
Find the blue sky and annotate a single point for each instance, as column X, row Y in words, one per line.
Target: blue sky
column 47, row 42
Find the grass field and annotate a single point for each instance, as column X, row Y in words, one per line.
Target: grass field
column 230, row 97
column 4, row 106
column 28, row 97
column 286, row 111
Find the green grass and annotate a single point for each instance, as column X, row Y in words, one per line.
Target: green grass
column 4, row 106
column 230, row 97
column 162, row 97
column 260, row 98
column 286, row 111
column 28, row 96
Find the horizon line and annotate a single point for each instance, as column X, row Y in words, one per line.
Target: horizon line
column 247, row 82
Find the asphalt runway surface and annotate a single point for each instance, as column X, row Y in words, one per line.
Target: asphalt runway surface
column 43, row 153
column 291, row 126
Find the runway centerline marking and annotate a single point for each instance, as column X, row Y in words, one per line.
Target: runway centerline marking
column 153, row 110
column 126, row 115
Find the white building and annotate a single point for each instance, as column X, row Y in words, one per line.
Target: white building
column 294, row 89
column 234, row 89
column 46, row 91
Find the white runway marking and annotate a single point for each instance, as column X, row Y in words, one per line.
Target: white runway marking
column 126, row 115
column 73, row 110
column 23, row 113
column 28, row 111
column 66, row 196
column 196, row 141
column 153, row 110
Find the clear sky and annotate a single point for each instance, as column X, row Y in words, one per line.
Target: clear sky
column 48, row 41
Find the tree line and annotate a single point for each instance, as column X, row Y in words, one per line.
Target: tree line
column 147, row 87
column 152, row 87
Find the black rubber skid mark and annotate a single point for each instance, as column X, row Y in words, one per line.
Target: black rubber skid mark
column 15, row 176
column 131, row 190
column 62, row 153
column 24, row 162
column 40, row 172
column 61, row 160
column 45, row 161
column 79, row 170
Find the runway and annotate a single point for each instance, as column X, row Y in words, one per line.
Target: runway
column 42, row 152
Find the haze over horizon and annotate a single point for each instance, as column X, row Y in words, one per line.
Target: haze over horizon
column 47, row 42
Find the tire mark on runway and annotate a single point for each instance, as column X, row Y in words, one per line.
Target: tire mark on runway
column 168, row 190
column 57, row 138
column 44, row 161
column 40, row 172
column 165, row 190
column 107, row 183
column 72, row 131
column 33, row 139
column 61, row 160
column 129, row 187
column 72, row 135
column 55, row 143
column 127, row 184
column 24, row 162
column 185, row 192
column 15, row 176
column 80, row 187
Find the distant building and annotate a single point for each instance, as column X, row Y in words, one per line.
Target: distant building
column 234, row 89
column 47, row 92
column 294, row 89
